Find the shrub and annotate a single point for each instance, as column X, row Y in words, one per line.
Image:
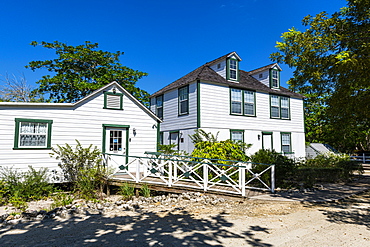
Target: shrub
column 127, row 191
column 83, row 167
column 62, row 199
column 221, row 150
column 284, row 166
column 19, row 187
column 339, row 165
column 145, row 191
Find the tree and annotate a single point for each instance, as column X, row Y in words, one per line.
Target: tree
column 331, row 62
column 16, row 89
column 79, row 70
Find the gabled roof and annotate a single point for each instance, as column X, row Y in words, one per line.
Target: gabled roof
column 246, row 81
column 270, row 66
column 71, row 105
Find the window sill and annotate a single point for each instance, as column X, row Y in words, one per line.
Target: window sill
column 234, row 114
column 280, row 118
column 33, row 148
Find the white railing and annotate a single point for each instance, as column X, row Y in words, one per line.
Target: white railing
column 224, row 176
column 361, row 158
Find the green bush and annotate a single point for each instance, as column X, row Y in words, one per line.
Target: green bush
column 62, row 199
column 19, row 187
column 127, row 191
column 284, row 166
column 328, row 167
column 145, row 191
column 83, row 167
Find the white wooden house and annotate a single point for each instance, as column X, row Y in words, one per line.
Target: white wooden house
column 219, row 97
column 109, row 118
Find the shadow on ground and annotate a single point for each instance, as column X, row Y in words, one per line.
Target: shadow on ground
column 355, row 210
column 145, row 229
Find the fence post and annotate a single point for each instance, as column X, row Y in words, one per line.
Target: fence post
column 205, row 176
column 363, row 158
column 242, row 179
column 272, row 178
column 171, row 163
column 137, row 171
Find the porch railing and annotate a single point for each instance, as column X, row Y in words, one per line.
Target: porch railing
column 208, row 175
column 361, row 158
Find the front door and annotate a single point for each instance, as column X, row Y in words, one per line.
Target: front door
column 267, row 140
column 116, row 146
column 174, row 139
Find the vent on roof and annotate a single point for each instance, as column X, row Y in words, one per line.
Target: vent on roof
column 219, row 66
column 113, row 101
column 261, row 75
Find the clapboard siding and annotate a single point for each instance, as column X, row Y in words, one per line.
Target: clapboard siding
column 215, row 112
column 82, row 122
column 171, row 119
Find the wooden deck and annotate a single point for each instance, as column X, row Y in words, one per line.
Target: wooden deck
column 158, row 184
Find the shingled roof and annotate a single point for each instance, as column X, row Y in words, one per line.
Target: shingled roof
column 246, row 81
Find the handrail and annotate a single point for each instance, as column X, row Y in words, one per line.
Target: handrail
column 202, row 174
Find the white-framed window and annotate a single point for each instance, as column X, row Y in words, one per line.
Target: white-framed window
column 32, row 133
column 286, row 144
column 249, row 101
column 236, row 101
column 242, row 102
column 183, row 100
column 232, row 69
column 274, row 78
column 159, row 106
column 279, row 107
column 275, row 106
column 237, row 135
column 284, row 102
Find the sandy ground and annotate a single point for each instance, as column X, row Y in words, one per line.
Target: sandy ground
column 242, row 223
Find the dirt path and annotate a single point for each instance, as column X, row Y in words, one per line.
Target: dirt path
column 241, row 223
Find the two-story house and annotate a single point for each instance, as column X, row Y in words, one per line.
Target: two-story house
column 221, row 98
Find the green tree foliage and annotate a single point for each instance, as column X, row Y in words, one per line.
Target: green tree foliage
column 79, row 70
column 331, row 62
column 221, row 150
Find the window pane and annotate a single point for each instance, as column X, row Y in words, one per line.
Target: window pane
column 32, row 134
column 232, row 64
column 275, row 111
column 284, row 102
column 236, row 107
column 248, row 109
column 183, row 107
column 285, row 142
column 160, row 112
column 275, row 100
column 159, row 101
column 237, row 136
column 286, row 148
column 249, row 96
column 233, row 74
column 236, row 94
column 284, row 113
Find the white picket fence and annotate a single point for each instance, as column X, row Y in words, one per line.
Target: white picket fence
column 234, row 177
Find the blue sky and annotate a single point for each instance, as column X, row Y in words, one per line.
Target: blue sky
column 166, row 39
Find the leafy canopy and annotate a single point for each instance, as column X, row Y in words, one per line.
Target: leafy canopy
column 79, row 70
column 331, row 68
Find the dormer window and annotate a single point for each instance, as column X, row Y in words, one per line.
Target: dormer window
column 274, row 78
column 232, row 70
